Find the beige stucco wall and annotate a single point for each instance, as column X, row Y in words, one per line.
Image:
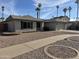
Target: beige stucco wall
column 11, row 26
column 42, row 26
column 18, row 27
column 56, row 26
column 15, row 26
column 34, row 26
column 65, row 19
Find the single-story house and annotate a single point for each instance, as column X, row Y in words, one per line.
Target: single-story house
column 29, row 23
column 24, row 23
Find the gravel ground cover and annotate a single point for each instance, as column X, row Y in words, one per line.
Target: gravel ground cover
column 40, row 54
column 6, row 41
column 74, row 39
column 67, row 43
column 36, row 54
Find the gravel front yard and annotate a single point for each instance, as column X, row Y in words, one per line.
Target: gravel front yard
column 6, row 41
column 40, row 54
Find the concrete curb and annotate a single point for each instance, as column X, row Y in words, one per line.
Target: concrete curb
column 45, row 50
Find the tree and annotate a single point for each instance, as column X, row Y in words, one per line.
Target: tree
column 65, row 10
column 2, row 13
column 69, row 11
column 39, row 5
column 57, row 9
column 38, row 10
column 77, row 2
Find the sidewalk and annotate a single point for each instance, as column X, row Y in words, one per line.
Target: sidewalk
column 70, row 31
column 17, row 50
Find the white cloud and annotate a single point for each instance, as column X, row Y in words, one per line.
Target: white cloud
column 9, row 7
column 48, row 5
column 72, row 19
column 45, row 16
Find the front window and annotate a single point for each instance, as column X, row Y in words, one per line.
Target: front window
column 26, row 25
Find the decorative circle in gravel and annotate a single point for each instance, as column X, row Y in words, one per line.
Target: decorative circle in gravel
column 60, row 52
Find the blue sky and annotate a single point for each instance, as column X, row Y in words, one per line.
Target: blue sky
column 27, row 7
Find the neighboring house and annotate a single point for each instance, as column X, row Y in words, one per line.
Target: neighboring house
column 73, row 25
column 57, row 23
column 24, row 23
column 29, row 23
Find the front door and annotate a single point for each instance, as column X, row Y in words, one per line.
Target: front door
column 38, row 26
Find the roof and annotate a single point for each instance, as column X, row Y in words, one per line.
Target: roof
column 58, row 19
column 56, row 22
column 55, row 18
column 27, row 17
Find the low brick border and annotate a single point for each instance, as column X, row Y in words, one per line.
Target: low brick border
column 48, row 54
